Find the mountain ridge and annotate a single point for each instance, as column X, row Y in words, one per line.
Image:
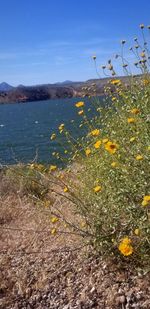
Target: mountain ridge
column 21, row 93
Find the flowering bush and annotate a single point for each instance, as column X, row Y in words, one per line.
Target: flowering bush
column 111, row 193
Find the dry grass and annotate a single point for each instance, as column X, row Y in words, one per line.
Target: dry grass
column 34, row 263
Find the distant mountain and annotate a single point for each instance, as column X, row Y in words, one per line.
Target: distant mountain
column 5, row 87
column 66, row 82
column 20, row 86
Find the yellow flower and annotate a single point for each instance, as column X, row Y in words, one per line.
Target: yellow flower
column 61, row 176
column 40, row 167
column 95, row 132
column 114, row 99
column 125, row 246
column 32, row 166
column 111, row 147
column 97, row 189
column 115, row 81
column 65, row 189
column 61, row 127
column 146, row 82
column 105, row 140
column 79, row 104
column 53, row 168
column 53, row 136
column 97, row 144
column 137, row 232
column 46, row 204
column 126, row 240
column 131, row 120
column 53, row 231
column 80, row 112
column 132, row 139
column 146, row 200
column 83, row 224
column 87, row 151
column 135, row 111
column 139, row 157
column 54, row 219
column 114, row 164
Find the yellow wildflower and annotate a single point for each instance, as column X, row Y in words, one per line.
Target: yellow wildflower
column 83, row 224
column 61, row 176
column 61, row 127
column 53, row 136
column 137, row 232
column 53, row 168
column 80, row 112
column 114, row 164
column 146, row 82
column 79, row 104
column 32, row 166
column 105, row 140
column 146, row 200
column 97, row 189
column 139, row 157
column 95, row 132
column 46, row 204
column 135, row 111
column 65, row 189
column 114, row 99
column 97, row 144
column 132, row 139
column 54, row 219
column 142, row 55
column 131, row 120
column 87, row 151
column 53, row 231
column 115, row 81
column 111, row 147
column 125, row 246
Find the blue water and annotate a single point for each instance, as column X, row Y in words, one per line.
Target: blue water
column 25, row 129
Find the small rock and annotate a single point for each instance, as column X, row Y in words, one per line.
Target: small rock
column 120, row 300
column 92, row 290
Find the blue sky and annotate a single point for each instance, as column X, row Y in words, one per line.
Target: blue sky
column 46, row 41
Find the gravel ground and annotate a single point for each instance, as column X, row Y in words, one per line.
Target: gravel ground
column 70, row 279
column 41, row 271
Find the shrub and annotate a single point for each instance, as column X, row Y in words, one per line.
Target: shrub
column 111, row 194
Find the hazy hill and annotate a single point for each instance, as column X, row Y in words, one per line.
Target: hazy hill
column 5, row 87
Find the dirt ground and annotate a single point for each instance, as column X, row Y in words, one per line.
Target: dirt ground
column 40, row 270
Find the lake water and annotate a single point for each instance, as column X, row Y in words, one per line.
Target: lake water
column 26, row 129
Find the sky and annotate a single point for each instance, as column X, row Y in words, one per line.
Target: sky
column 48, row 41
